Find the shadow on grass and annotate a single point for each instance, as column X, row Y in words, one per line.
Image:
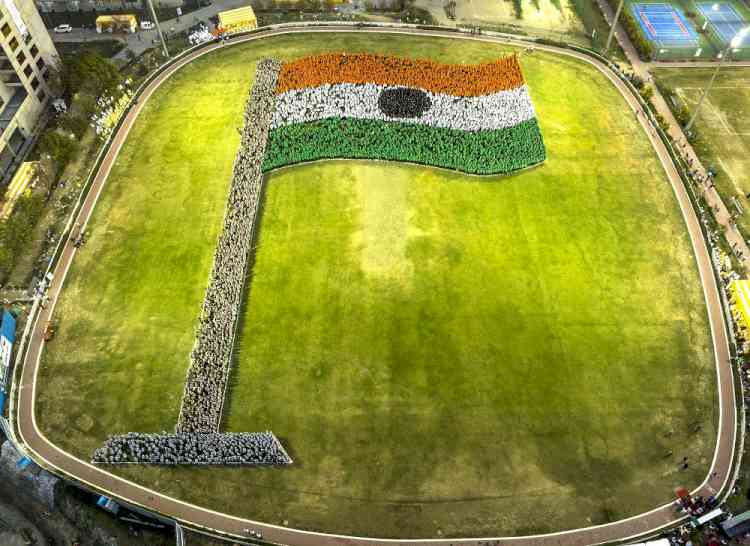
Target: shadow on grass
column 232, row 380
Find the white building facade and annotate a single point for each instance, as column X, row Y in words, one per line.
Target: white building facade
column 27, row 55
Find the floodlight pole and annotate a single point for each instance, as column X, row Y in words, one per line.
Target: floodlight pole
column 158, row 28
column 614, row 25
column 727, row 53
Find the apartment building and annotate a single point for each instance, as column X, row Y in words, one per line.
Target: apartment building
column 26, row 55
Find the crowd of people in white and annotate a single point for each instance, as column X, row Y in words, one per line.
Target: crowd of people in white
column 197, row 439
column 387, row 103
column 203, row 399
column 257, row 448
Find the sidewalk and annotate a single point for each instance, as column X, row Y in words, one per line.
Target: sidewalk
column 713, row 199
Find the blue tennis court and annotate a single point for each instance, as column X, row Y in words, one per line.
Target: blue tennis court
column 665, row 25
column 725, row 20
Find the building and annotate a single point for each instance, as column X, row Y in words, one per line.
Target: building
column 237, row 20
column 7, row 337
column 116, row 23
column 26, row 57
column 46, row 6
column 737, row 526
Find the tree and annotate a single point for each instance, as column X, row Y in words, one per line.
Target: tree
column 60, row 148
column 76, row 124
column 89, row 72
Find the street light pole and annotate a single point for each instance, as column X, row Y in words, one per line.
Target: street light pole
column 614, row 25
column 736, row 41
column 158, row 28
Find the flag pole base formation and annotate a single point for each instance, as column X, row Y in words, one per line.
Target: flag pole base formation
column 474, row 119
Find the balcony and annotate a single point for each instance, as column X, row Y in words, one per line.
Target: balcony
column 10, row 79
column 12, row 107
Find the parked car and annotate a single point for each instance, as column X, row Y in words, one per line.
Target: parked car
column 62, row 29
column 147, row 25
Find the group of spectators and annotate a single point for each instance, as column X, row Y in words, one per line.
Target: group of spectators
column 452, row 79
column 257, row 448
column 199, row 34
column 203, row 398
column 388, row 103
column 197, row 439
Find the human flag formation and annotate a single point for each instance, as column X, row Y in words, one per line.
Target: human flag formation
column 477, row 119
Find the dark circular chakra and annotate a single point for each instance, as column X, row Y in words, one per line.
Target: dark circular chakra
column 403, row 102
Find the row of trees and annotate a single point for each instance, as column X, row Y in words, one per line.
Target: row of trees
column 79, row 81
column 643, row 45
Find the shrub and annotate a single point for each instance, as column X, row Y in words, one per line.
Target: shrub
column 642, row 44
column 59, row 147
column 17, row 230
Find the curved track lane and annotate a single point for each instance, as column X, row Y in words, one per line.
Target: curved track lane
column 98, row 478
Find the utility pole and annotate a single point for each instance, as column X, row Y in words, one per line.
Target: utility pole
column 158, row 28
column 614, row 26
column 734, row 44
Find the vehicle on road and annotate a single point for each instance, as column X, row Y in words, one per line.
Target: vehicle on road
column 62, row 29
column 147, row 25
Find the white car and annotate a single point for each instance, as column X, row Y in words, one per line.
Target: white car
column 62, row 29
column 147, row 25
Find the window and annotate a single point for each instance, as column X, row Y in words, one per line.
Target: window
column 42, row 95
column 5, row 30
column 34, row 51
column 28, row 71
column 21, row 57
column 13, row 44
column 34, row 83
column 40, row 63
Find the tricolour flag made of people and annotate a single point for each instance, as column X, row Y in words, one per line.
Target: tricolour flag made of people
column 477, row 119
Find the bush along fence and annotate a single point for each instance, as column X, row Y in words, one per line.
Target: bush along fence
column 197, row 439
column 642, row 44
column 475, row 119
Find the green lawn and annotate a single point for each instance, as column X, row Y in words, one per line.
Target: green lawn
column 441, row 354
column 723, row 124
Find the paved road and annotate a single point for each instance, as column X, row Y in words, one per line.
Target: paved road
column 144, row 39
column 712, row 197
column 51, row 456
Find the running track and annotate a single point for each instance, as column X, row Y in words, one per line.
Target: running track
column 52, row 457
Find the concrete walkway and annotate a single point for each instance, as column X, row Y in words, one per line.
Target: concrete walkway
column 712, row 197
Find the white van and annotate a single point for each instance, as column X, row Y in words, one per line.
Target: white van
column 147, row 25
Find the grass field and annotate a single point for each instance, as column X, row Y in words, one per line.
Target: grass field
column 442, row 355
column 724, row 127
